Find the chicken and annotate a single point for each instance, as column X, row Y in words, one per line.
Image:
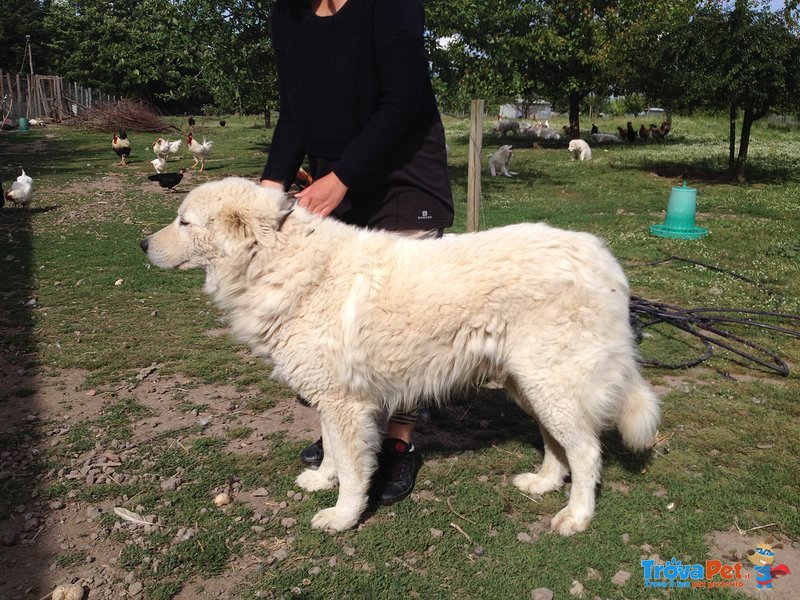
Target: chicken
column 191, row 121
column 622, row 132
column 199, row 151
column 655, row 133
column 601, row 138
column 168, row 180
column 644, row 132
column 175, row 147
column 664, row 129
column 630, row 133
column 164, row 148
column 159, row 164
column 21, row 191
column 301, row 181
column 222, row 123
column 122, row 146
column 594, row 129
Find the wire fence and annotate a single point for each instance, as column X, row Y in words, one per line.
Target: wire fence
column 47, row 98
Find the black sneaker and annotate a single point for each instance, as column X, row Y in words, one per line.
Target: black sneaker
column 398, row 464
column 312, row 455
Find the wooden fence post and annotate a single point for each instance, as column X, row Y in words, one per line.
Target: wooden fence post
column 474, row 173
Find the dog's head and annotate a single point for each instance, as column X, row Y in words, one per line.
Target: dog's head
column 217, row 220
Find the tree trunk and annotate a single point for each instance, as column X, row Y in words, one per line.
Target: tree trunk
column 732, row 143
column 267, row 118
column 574, row 115
column 749, row 117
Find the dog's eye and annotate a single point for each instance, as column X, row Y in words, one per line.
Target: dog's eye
column 183, row 222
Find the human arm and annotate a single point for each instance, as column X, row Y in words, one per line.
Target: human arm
column 286, row 151
column 404, row 93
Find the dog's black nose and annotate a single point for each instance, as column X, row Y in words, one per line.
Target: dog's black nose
column 144, row 244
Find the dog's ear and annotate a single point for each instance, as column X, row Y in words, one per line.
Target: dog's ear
column 234, row 225
column 240, row 226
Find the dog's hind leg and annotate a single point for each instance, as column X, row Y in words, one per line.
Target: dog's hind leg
column 550, row 475
column 554, row 469
column 570, row 446
column 352, row 438
column 583, row 454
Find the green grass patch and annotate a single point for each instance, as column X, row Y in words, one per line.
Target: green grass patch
column 77, row 293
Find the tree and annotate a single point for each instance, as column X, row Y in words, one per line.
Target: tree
column 235, row 57
column 741, row 58
column 182, row 55
column 19, row 19
column 572, row 40
column 522, row 49
column 481, row 50
column 133, row 48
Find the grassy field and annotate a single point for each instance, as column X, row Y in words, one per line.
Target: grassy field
column 77, row 295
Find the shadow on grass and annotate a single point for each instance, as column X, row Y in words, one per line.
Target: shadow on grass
column 757, row 171
column 489, row 417
column 20, row 438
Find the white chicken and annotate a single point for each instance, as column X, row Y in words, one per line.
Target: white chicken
column 199, row 151
column 164, row 148
column 159, row 164
column 21, row 191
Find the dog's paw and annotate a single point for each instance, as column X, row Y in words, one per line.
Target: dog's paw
column 566, row 522
column 333, row 519
column 312, row 480
column 533, row 483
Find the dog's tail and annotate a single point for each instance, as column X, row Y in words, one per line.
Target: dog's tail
column 638, row 421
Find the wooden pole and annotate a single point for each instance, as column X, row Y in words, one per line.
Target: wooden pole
column 474, row 173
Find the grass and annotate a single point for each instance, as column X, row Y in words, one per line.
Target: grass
column 76, row 292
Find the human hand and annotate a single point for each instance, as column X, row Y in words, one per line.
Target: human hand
column 322, row 196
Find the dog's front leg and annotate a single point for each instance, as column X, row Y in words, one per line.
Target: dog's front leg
column 323, row 478
column 352, row 440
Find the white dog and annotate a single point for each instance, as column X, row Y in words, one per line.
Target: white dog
column 503, row 127
column 359, row 322
column 580, row 150
column 602, row 138
column 501, row 160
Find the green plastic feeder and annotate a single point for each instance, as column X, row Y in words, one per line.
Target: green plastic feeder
column 680, row 220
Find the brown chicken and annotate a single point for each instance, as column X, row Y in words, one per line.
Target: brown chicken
column 122, row 146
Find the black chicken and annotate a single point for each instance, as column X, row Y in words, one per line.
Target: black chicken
column 168, row 180
column 595, row 129
column 222, row 123
column 630, row 133
column 191, row 121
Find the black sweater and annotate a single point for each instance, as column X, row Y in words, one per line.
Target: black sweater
column 356, row 98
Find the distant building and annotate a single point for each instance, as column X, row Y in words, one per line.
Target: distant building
column 653, row 112
column 537, row 109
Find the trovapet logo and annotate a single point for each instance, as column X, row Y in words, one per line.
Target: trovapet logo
column 762, row 558
column 711, row 574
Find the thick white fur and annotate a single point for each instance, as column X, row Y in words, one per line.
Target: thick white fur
column 580, row 150
column 360, row 321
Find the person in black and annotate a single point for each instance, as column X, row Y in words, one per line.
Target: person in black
column 356, row 100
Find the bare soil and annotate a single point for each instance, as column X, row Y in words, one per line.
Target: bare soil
column 41, row 531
